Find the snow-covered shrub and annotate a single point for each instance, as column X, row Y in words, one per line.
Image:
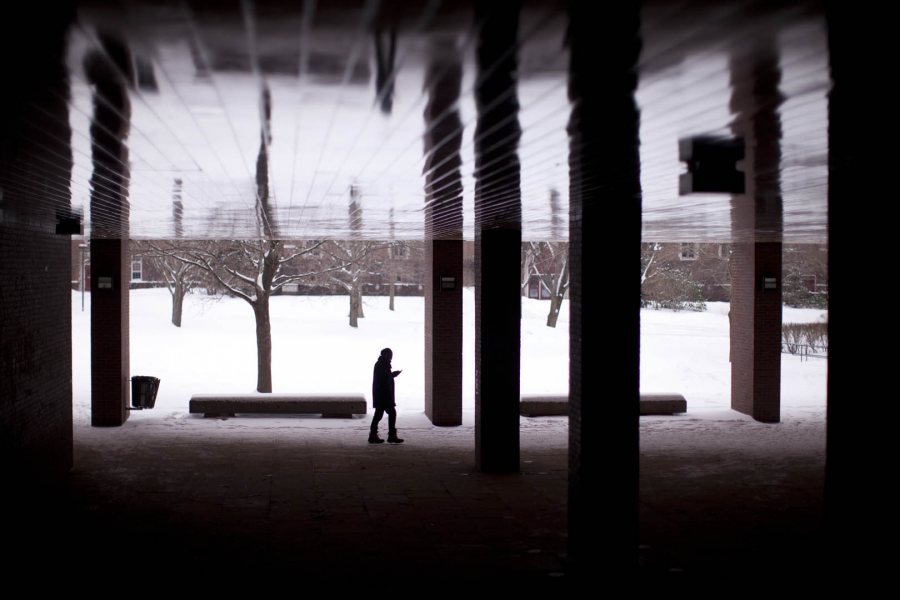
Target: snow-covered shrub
column 794, row 336
column 795, row 293
column 672, row 288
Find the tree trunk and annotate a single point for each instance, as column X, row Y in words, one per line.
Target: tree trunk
column 177, row 302
column 558, row 292
column 263, row 344
column 354, row 308
column 391, row 303
column 555, row 305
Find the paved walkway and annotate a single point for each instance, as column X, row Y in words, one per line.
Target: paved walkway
column 308, row 498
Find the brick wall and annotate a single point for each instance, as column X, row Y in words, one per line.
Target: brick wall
column 35, row 296
column 36, row 349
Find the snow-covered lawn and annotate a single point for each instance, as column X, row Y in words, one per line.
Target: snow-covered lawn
column 314, row 349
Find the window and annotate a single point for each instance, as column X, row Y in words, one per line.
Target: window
column 399, row 251
column 809, row 282
column 136, row 268
column 688, row 251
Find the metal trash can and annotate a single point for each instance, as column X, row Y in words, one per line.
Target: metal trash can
column 143, row 391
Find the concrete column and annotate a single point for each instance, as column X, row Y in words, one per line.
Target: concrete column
column 109, row 71
column 757, row 218
column 498, row 240
column 443, row 230
column 604, row 297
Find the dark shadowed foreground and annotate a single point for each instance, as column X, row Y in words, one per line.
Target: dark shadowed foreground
column 306, row 498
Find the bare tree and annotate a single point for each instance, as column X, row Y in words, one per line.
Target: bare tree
column 352, row 261
column 176, row 274
column 177, row 277
column 558, row 278
column 251, row 270
column 528, row 258
column 648, row 257
column 395, row 249
column 548, row 264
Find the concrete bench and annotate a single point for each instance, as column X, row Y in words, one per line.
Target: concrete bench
column 650, row 404
column 328, row 405
column 662, row 404
column 543, row 406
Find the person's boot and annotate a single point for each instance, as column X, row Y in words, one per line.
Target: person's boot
column 373, row 437
column 392, row 437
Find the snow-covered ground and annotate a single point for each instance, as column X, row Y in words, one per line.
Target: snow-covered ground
column 314, row 349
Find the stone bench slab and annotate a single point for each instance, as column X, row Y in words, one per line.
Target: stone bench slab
column 662, row 404
column 543, row 406
column 650, row 404
column 328, row 405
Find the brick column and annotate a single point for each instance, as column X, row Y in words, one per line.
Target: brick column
column 443, row 230
column 859, row 505
column 498, row 241
column 756, row 230
column 443, row 332
column 109, row 332
column 110, row 74
column 756, row 330
column 604, row 297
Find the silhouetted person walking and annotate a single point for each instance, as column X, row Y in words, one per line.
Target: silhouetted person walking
column 383, row 398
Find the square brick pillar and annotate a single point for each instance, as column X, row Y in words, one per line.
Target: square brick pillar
column 498, row 239
column 110, row 368
column 498, row 306
column 756, row 330
column 757, row 224
column 443, row 332
column 859, row 504
column 443, row 229
column 604, row 295
column 110, row 72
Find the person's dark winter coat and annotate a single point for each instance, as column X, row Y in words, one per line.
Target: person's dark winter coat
column 383, row 398
column 383, row 384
